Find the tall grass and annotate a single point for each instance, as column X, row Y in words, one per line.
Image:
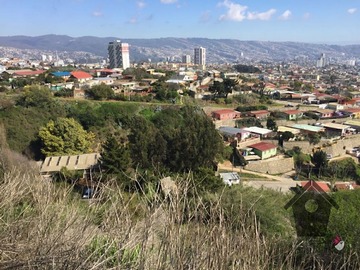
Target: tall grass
column 47, row 226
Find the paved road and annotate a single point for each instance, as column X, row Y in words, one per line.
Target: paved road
column 281, row 183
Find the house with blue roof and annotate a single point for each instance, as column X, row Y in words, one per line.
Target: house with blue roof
column 62, row 74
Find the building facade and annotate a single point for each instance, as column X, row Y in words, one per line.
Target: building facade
column 118, row 53
column 200, row 56
column 186, row 59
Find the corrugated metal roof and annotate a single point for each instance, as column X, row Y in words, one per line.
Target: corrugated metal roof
column 335, row 126
column 231, row 130
column 263, row 146
column 308, row 127
column 74, row 162
column 258, row 130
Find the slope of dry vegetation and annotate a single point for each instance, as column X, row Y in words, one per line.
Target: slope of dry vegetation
column 45, row 225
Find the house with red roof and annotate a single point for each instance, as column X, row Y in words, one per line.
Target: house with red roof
column 264, row 149
column 81, row 76
column 27, row 73
column 315, row 186
column 225, row 114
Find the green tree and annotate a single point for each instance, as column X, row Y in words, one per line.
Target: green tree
column 36, row 96
column 65, row 136
column 147, row 145
column 195, row 144
column 100, row 92
column 222, row 89
column 314, row 138
column 115, row 157
column 319, row 159
column 271, row 124
column 65, row 92
column 287, row 135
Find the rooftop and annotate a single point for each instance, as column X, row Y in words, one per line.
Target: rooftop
column 308, row 127
column 292, row 112
column 258, row 130
column 231, row 130
column 81, row 74
column 75, row 162
column 222, row 111
column 335, row 126
column 263, row 146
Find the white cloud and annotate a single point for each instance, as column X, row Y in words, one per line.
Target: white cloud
column 263, row 16
column 351, row 10
column 286, row 15
column 140, row 4
column 168, row 1
column 97, row 14
column 237, row 12
column 306, row 15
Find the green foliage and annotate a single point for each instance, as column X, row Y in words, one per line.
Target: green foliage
column 205, row 180
column 65, row 136
column 246, row 69
column 36, row 96
column 271, row 124
column 246, row 99
column 100, row 92
column 345, row 221
column 115, row 157
column 65, row 92
column 267, row 205
column 165, row 92
column 195, row 144
column 251, row 108
column 314, row 138
column 319, row 159
column 287, row 135
column 138, row 73
column 222, row 89
column 22, row 126
column 248, row 122
column 344, row 169
column 148, row 147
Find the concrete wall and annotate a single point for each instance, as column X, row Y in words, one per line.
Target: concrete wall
column 337, row 148
column 271, row 166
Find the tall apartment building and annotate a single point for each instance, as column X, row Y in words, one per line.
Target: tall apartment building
column 119, row 54
column 322, row 61
column 200, row 56
column 186, row 59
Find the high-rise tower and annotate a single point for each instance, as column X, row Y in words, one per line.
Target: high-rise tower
column 119, row 54
column 200, row 56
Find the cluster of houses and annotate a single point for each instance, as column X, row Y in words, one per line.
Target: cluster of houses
column 251, row 143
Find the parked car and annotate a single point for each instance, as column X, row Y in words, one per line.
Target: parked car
column 88, row 193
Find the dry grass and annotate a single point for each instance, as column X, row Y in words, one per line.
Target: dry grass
column 46, row 226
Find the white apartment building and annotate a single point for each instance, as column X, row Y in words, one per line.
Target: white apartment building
column 119, row 54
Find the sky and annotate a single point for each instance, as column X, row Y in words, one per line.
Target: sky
column 311, row 21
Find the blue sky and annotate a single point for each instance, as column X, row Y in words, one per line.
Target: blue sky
column 314, row 21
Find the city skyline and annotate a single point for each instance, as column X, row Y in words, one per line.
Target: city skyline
column 332, row 22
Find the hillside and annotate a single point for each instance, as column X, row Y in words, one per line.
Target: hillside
column 218, row 50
